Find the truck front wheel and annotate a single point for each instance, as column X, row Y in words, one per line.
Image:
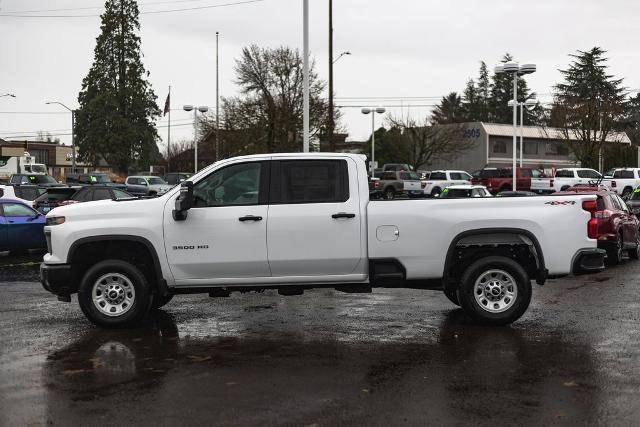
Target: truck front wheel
column 114, row 293
column 495, row 290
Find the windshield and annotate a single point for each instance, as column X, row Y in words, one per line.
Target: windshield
column 154, row 180
column 38, row 169
column 102, row 179
column 41, row 179
column 409, row 176
column 489, row 173
column 456, row 192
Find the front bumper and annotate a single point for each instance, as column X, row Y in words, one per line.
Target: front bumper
column 587, row 261
column 57, row 279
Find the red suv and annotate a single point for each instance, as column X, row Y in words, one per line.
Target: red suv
column 615, row 227
column 501, row 179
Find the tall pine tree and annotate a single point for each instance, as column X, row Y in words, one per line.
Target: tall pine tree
column 116, row 118
column 450, row 110
column 589, row 104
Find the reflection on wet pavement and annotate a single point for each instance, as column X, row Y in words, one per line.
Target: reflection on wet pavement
column 325, row 358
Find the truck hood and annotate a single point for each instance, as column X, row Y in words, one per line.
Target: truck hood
column 110, row 208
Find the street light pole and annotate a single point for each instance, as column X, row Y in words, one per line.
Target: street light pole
column 73, row 133
column 8, row 94
column 305, row 77
column 332, row 146
column 373, row 111
column 517, row 70
column 202, row 109
column 217, row 102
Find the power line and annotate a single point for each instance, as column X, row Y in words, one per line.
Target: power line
column 185, row 9
column 46, row 133
column 70, row 9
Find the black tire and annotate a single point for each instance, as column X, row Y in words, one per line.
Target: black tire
column 505, row 188
column 614, row 253
column 626, row 191
column 452, row 296
column 133, row 312
column 436, row 192
column 564, row 187
column 635, row 252
column 160, row 301
column 389, row 193
column 480, row 312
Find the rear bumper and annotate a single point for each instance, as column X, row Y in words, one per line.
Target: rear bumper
column 587, row 261
column 57, row 279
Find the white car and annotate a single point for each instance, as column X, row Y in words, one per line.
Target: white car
column 624, row 180
column 25, row 194
column 298, row 221
column 565, row 178
column 441, row 179
column 465, row 191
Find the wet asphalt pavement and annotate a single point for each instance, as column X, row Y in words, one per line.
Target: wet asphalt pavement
column 393, row 357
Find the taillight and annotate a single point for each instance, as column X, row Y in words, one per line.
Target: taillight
column 423, row 184
column 613, row 183
column 377, row 184
column 592, row 228
column 551, row 183
column 605, row 214
column 591, row 206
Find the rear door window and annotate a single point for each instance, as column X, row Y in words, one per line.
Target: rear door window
column 564, row 173
column 438, row 176
column 310, row 181
column 588, row 173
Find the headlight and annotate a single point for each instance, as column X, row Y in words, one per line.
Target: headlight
column 55, row 220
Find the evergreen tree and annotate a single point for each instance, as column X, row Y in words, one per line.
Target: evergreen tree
column 472, row 102
column 450, row 110
column 501, row 92
column 484, row 92
column 116, row 118
column 590, row 104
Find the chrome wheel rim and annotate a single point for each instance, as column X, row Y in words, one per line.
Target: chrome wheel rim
column 495, row 291
column 113, row 294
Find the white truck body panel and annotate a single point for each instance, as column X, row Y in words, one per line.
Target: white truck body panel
column 303, row 244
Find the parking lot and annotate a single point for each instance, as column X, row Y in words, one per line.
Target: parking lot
column 325, row 358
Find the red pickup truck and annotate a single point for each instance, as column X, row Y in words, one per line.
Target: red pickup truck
column 501, row 179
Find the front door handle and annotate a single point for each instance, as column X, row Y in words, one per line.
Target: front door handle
column 343, row 215
column 250, row 218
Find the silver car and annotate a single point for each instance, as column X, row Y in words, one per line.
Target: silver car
column 147, row 185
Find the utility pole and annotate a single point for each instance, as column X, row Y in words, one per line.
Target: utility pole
column 332, row 146
column 305, row 76
column 217, row 102
column 169, row 131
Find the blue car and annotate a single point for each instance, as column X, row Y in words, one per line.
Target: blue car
column 21, row 227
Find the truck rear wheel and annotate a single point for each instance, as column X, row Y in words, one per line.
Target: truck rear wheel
column 114, row 293
column 495, row 290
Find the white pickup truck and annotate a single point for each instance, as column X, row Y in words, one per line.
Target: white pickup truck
column 565, row 178
column 624, row 181
column 293, row 222
column 439, row 180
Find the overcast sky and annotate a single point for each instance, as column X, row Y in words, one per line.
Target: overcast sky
column 400, row 49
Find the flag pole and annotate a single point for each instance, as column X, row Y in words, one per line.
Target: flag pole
column 169, row 131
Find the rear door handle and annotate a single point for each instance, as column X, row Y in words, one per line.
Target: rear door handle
column 343, row 215
column 250, row 218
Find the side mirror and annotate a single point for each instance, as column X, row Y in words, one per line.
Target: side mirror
column 184, row 202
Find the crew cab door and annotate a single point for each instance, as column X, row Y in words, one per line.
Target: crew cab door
column 314, row 226
column 225, row 233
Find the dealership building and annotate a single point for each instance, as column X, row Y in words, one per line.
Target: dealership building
column 491, row 144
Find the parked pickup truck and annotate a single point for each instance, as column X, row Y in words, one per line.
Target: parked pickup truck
column 498, row 180
column 439, row 180
column 292, row 222
column 395, row 183
column 624, row 181
column 565, row 178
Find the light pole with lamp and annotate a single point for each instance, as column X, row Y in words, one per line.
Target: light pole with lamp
column 517, row 70
column 8, row 94
column 73, row 133
column 373, row 111
column 528, row 104
column 202, row 109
